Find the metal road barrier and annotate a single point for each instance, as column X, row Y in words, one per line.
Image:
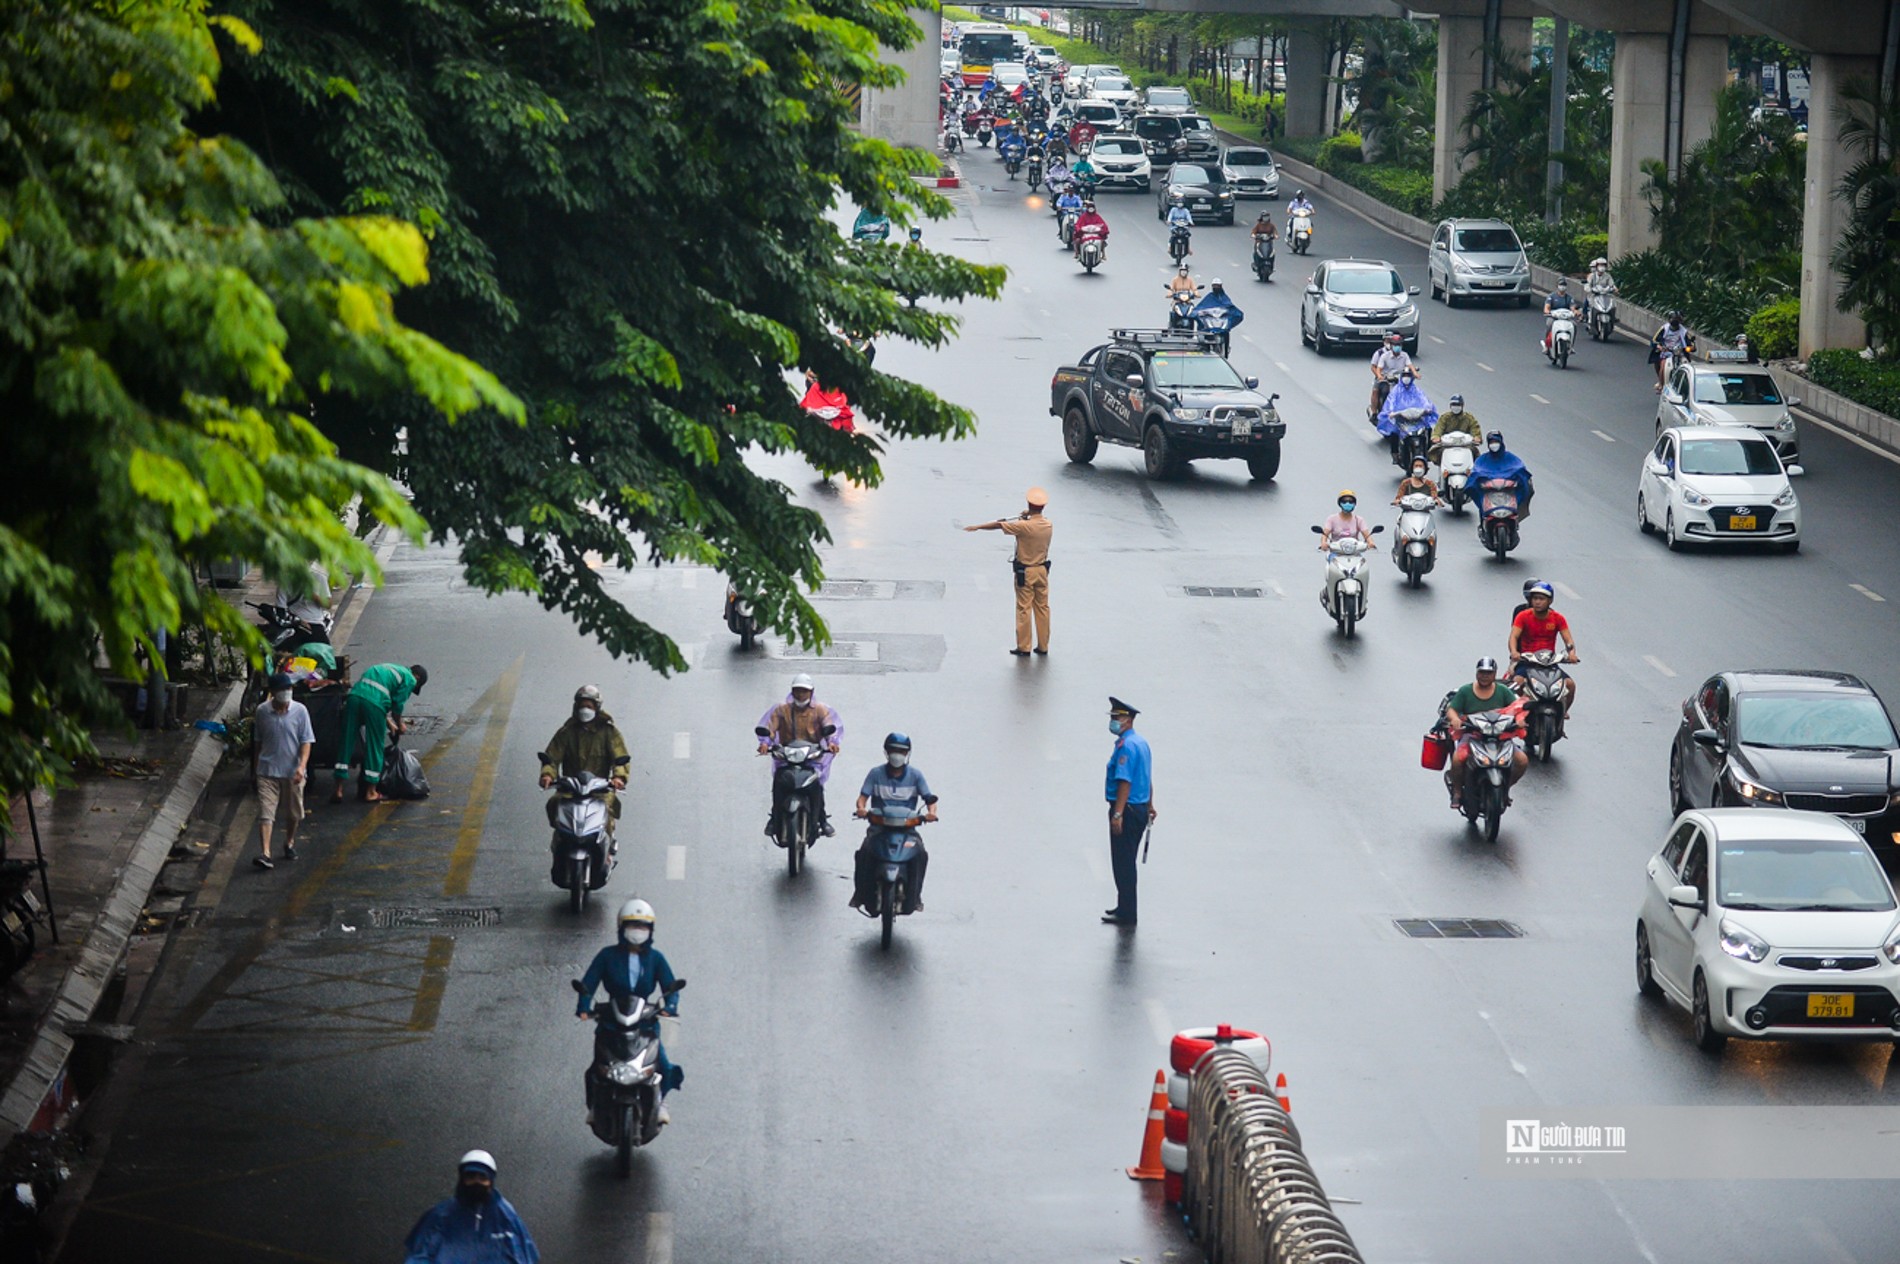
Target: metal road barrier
column 1249, row 1194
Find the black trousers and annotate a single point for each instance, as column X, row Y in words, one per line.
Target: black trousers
column 782, row 790
column 1122, row 846
column 866, row 871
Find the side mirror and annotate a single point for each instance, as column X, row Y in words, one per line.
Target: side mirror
column 1378, row 530
column 1311, row 288
column 1413, row 290
column 828, row 730
column 1794, row 401
column 763, row 732
column 1135, row 379
column 1254, row 382
column 576, row 983
column 1685, row 897
column 1319, row 531
column 1796, row 471
column 667, row 989
column 543, row 757
column 1707, row 737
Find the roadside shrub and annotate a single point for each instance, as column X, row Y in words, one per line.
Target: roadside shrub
column 1712, row 306
column 1591, row 245
column 1398, row 187
column 1339, row 151
column 1871, row 383
column 1304, row 148
column 1775, row 330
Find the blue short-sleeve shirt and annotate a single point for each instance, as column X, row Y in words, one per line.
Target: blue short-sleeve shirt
column 1131, row 762
column 903, row 792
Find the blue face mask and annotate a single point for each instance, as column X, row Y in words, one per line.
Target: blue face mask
column 1347, row 506
column 1115, row 727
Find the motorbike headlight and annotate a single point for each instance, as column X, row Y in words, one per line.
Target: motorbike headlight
column 1190, row 414
column 1742, row 943
column 1786, row 499
column 1754, row 793
column 625, row 1072
column 1690, row 496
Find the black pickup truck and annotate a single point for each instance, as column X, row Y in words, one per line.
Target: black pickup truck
column 1171, row 394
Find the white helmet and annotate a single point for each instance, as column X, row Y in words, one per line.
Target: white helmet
column 478, row 1159
column 1599, row 262
column 636, row 911
column 801, row 681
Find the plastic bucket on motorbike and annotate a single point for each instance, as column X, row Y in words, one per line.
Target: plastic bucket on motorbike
column 1434, row 753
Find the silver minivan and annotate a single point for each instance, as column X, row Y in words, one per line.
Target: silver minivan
column 1478, row 258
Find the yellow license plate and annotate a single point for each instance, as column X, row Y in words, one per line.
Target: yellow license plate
column 1830, row 1005
column 1736, row 523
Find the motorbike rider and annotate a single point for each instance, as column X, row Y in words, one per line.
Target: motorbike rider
column 1387, row 363
column 1559, row 301
column 1599, row 281
column 1181, row 285
column 899, row 790
column 1456, row 418
column 476, row 1226
column 1486, row 693
column 1084, row 172
column 1346, row 524
column 588, row 742
column 1405, row 394
column 1417, row 481
column 1296, row 206
column 1218, row 300
column 1090, row 225
column 870, row 226
column 1673, row 336
column 1057, row 177
column 631, row 969
column 1081, row 135
column 1180, row 217
column 1264, row 231
column 1538, row 629
column 1746, row 348
column 1069, row 202
column 1012, row 147
column 1496, row 461
column 801, row 718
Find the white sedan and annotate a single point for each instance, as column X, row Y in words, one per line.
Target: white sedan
column 1771, row 925
column 1717, row 483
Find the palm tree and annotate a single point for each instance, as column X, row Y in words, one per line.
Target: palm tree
column 1865, row 257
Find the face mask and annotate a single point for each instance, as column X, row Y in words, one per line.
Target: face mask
column 897, row 759
column 635, row 936
column 1347, row 506
column 1496, row 447
column 801, row 702
column 586, row 715
column 1418, row 471
column 470, row 1194
column 280, row 696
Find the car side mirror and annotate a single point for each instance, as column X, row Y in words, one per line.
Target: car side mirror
column 761, row 731
column 1311, row 288
column 1413, row 290
column 828, row 730
column 1794, row 401
column 1707, row 737
column 1135, row 379
column 1685, row 897
column 1253, row 383
column 1672, row 397
column 1796, row 471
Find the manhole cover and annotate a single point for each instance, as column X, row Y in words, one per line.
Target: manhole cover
column 1204, row 590
column 857, row 590
column 837, row 651
column 432, row 918
column 1459, row 928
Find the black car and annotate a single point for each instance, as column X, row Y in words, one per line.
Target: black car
column 1202, row 189
column 1160, row 136
column 1816, row 741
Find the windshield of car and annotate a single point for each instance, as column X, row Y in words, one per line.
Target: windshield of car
column 1111, row 83
column 1009, row 70
column 1117, row 147
column 1736, row 388
column 1195, row 123
column 1819, row 875
column 1201, row 371
column 1097, row 111
column 1169, row 96
column 1249, row 158
column 1797, row 721
column 1729, row 456
column 1152, row 127
column 1185, row 173
column 1487, row 241
column 1364, row 281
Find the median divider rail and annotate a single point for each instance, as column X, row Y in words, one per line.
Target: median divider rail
column 1249, row 1194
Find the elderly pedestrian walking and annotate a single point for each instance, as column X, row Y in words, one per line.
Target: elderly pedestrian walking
column 283, row 735
column 371, row 716
column 1032, row 533
column 1130, row 795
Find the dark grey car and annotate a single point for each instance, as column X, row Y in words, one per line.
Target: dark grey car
column 1200, row 189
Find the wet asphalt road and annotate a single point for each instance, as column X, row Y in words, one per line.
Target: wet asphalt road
column 974, row 1094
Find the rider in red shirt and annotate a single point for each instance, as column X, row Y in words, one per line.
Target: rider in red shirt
column 1090, row 224
column 1538, row 629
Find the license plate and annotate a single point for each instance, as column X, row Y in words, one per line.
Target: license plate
column 1855, row 823
column 1242, row 427
column 1830, row 1005
column 1738, row 523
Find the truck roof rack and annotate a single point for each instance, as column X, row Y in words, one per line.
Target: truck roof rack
column 1192, row 338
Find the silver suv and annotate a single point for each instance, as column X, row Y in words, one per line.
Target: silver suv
column 1357, row 301
column 1478, row 258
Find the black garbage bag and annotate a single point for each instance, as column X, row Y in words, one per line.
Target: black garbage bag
column 402, row 775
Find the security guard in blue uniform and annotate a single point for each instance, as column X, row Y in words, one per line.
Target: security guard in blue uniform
column 1130, row 794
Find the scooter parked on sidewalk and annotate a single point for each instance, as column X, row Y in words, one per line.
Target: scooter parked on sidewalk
column 20, row 912
column 1343, row 596
column 793, row 825
column 623, row 1081
column 1543, row 692
column 1563, row 336
column 1455, row 453
column 285, row 631
column 583, row 846
column 1498, row 517
column 1415, row 551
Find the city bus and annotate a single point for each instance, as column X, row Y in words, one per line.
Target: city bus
column 983, row 45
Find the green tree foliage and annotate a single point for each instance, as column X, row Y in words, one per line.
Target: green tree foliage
column 1866, row 258
column 1507, row 134
column 1398, row 92
column 631, row 207
column 162, row 355
column 1734, row 207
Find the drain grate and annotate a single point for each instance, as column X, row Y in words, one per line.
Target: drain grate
column 1458, row 928
column 848, row 651
column 857, row 590
column 419, row 724
column 1204, row 590
column 432, row 918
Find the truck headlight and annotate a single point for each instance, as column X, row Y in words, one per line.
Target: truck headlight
column 1190, row 414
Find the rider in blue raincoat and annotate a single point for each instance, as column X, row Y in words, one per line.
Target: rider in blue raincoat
column 1406, row 394
column 1496, row 461
column 1217, row 314
column 477, row 1226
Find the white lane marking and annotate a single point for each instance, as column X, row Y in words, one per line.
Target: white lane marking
column 1158, row 1020
column 1659, row 665
column 682, row 746
column 1046, row 312
column 1098, row 864
column 676, row 862
column 659, row 1237
column 691, row 652
column 1539, row 398
column 1566, row 589
column 1487, row 368
column 1248, row 338
column 1435, row 338
column 1276, row 590
column 1025, row 289
column 1606, row 438
column 1321, row 398
column 1867, row 592
column 1282, row 366
column 689, row 578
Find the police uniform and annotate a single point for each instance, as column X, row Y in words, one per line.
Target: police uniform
column 1032, row 534
column 1129, row 762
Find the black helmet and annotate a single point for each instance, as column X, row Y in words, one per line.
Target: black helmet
column 897, row 741
column 1674, row 314
column 1457, row 401
column 1531, row 583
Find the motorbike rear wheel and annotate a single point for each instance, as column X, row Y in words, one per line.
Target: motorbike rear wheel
column 888, row 914
column 1498, row 545
column 1563, row 357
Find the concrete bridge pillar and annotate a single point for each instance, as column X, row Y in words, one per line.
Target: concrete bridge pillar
column 1463, row 70
column 906, row 115
column 1647, row 126
column 1307, row 92
column 1823, row 216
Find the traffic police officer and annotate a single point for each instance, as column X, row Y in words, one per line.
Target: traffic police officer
column 1130, row 795
column 1032, row 532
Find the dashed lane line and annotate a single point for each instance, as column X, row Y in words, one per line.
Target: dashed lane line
column 1435, row 338
column 1322, row 399
column 1659, row 665
column 682, row 746
column 1283, row 366
column 1481, row 364
column 1566, row 590
column 1158, row 1020
column 1867, row 592
column 1539, row 398
column 676, row 862
column 1606, row 438
column 659, row 1244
